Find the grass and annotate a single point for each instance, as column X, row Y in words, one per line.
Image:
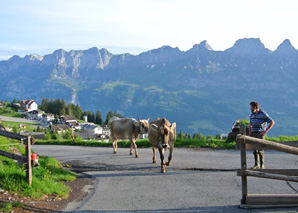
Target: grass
column 282, row 138
column 47, row 179
column 11, row 124
column 8, row 207
column 9, row 112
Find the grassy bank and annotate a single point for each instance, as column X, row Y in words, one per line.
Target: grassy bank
column 47, row 179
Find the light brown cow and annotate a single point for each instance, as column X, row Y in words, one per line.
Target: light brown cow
column 127, row 128
column 162, row 135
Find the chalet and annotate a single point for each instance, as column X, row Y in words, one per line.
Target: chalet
column 48, row 117
column 1, row 104
column 106, row 130
column 69, row 120
column 17, row 106
column 27, row 106
column 104, row 138
column 59, row 128
column 92, row 129
column 35, row 114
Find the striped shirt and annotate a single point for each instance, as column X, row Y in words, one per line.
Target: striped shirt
column 259, row 122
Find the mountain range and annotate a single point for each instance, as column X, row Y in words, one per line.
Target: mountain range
column 201, row 89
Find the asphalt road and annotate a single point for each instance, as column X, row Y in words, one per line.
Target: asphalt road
column 198, row 180
column 12, row 119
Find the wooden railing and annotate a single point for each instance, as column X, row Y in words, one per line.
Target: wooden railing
column 265, row 200
column 27, row 160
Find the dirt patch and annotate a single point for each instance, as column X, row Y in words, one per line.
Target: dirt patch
column 50, row 203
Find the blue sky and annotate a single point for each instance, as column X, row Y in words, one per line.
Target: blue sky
column 135, row 26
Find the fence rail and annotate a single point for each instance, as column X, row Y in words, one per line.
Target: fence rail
column 27, row 160
column 265, row 200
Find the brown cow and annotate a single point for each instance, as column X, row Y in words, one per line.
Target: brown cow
column 127, row 128
column 162, row 135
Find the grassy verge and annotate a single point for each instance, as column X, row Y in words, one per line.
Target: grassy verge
column 47, row 179
column 8, row 111
column 11, row 125
column 8, row 207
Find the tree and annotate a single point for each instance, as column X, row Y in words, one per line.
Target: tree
column 181, row 135
column 201, row 136
column 195, row 136
column 116, row 114
column 98, row 118
column 77, row 111
column 210, row 137
column 62, row 107
column 109, row 116
column 14, row 129
column 218, row 137
column 54, row 135
column 69, row 109
column 44, row 104
column 67, row 135
column 48, row 135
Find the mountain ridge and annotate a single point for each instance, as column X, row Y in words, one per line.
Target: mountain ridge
column 202, row 89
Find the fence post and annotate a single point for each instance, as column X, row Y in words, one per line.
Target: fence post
column 28, row 166
column 243, row 165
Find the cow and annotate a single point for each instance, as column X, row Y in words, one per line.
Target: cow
column 162, row 135
column 127, row 128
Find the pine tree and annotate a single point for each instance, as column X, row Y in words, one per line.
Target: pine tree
column 98, row 118
column 181, row 135
column 109, row 116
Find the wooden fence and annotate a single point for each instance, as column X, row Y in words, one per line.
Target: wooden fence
column 265, row 200
column 27, row 160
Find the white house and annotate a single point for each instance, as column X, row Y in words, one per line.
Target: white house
column 35, row 114
column 93, row 129
column 48, row 117
column 28, row 105
column 106, row 130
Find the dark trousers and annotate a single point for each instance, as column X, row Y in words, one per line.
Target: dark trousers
column 257, row 135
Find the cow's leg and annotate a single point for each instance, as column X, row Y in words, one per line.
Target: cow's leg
column 161, row 153
column 115, row 146
column 170, row 155
column 133, row 141
column 131, row 147
column 154, row 154
column 114, row 142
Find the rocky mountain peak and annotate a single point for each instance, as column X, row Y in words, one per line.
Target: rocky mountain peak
column 248, row 47
column 33, row 57
column 203, row 46
column 286, row 48
column 15, row 58
column 162, row 54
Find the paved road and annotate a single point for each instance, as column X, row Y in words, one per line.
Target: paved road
column 12, row 119
column 199, row 180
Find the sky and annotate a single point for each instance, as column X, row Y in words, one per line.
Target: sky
column 135, row 26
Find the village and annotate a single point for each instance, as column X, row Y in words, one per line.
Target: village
column 87, row 130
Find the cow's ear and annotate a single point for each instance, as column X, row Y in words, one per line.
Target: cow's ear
column 173, row 126
column 136, row 123
column 154, row 127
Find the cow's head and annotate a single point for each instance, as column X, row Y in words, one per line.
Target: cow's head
column 143, row 125
column 165, row 134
